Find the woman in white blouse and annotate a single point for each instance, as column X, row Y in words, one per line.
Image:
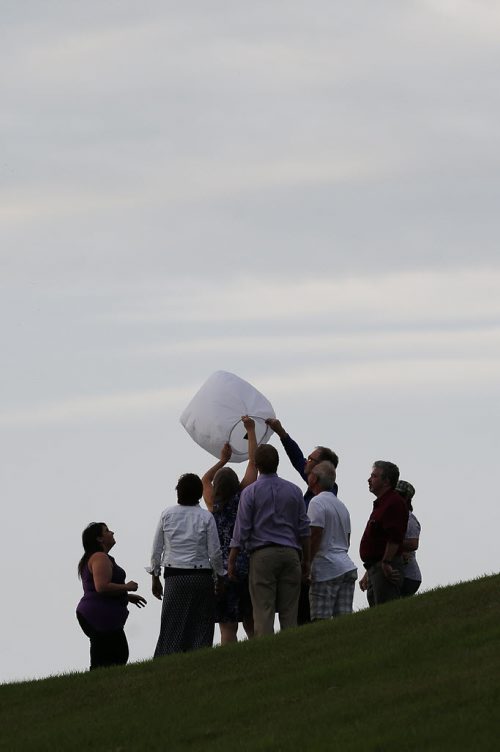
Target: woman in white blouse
column 186, row 545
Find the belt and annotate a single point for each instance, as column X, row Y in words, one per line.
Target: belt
column 175, row 571
column 269, row 545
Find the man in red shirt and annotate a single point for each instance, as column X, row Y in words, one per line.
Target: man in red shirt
column 381, row 545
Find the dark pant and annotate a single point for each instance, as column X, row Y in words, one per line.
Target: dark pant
column 106, row 648
column 380, row 589
column 304, row 612
column 409, row 587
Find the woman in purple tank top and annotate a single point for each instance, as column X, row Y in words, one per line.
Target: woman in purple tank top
column 102, row 612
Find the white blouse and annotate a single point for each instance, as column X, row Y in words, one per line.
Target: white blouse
column 186, row 537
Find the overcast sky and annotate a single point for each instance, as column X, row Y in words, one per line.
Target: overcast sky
column 305, row 194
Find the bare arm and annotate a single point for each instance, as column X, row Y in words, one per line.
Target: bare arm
column 208, row 478
column 137, row 600
column 410, row 544
column 316, row 538
column 390, row 552
column 231, row 563
column 251, row 471
column 102, row 570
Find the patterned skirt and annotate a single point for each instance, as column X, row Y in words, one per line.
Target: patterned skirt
column 188, row 611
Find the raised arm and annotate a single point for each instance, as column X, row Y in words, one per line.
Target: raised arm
column 208, row 478
column 276, row 426
column 294, row 452
column 251, row 471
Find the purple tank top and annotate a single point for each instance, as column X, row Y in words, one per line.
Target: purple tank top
column 103, row 611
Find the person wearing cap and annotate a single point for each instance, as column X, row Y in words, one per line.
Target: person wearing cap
column 381, row 546
column 412, row 576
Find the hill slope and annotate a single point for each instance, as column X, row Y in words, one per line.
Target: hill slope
column 419, row 674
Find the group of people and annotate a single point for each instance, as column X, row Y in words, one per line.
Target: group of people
column 261, row 547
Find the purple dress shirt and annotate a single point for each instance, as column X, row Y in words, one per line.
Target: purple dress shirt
column 271, row 512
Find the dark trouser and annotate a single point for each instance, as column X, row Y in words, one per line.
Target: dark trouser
column 380, row 589
column 304, row 612
column 409, row 587
column 106, row 648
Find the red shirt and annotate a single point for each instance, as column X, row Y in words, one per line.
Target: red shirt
column 387, row 524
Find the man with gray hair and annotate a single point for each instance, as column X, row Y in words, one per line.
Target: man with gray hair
column 333, row 573
column 303, row 465
column 382, row 542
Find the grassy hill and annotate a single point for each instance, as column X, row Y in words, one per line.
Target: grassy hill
column 420, row 674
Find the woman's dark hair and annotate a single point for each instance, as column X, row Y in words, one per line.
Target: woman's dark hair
column 189, row 489
column 226, row 485
column 91, row 544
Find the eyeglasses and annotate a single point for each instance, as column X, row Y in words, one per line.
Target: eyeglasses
column 313, row 459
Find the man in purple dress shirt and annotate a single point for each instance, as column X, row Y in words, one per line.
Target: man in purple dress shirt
column 272, row 526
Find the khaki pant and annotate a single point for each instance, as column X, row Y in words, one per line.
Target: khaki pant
column 274, row 581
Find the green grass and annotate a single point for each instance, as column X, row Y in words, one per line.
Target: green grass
column 419, row 674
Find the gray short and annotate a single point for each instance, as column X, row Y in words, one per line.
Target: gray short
column 334, row 597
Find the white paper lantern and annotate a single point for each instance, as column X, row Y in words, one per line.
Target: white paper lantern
column 214, row 415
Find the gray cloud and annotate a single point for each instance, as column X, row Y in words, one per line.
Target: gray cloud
column 166, row 135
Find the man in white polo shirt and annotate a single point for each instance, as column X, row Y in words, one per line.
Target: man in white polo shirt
column 333, row 573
